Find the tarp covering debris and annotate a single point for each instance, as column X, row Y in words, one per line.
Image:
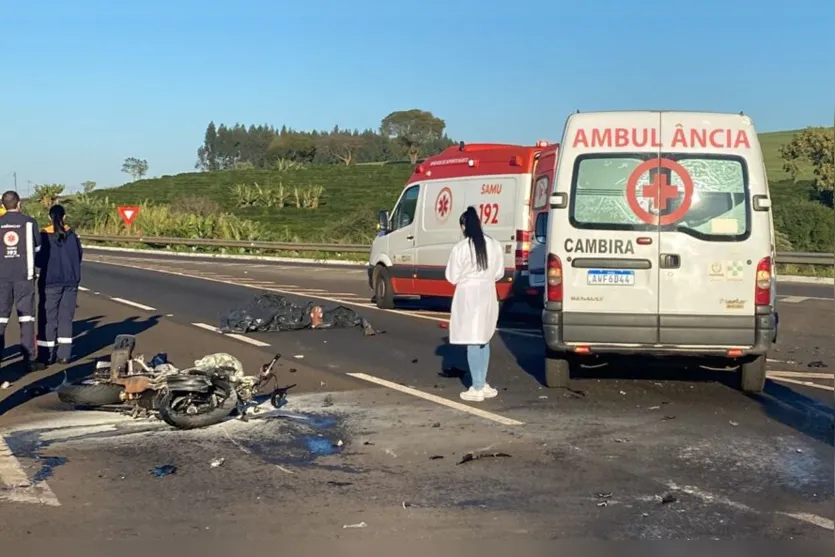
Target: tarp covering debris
column 271, row 312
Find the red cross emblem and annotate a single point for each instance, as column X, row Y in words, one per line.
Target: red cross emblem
column 660, row 191
column 443, row 204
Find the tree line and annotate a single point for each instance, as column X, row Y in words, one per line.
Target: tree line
column 411, row 134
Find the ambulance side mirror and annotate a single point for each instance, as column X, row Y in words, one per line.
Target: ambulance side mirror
column 383, row 221
column 559, row 200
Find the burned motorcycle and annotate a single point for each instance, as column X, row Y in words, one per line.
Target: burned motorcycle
column 199, row 396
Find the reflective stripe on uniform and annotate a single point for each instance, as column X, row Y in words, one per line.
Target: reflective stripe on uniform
column 64, row 340
column 46, row 343
column 24, row 318
column 30, row 251
column 4, row 319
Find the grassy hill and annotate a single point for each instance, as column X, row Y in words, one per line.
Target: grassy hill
column 345, row 208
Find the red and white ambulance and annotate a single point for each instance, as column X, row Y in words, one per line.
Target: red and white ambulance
column 509, row 186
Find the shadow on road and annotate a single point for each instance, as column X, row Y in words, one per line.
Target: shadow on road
column 800, row 412
column 94, row 339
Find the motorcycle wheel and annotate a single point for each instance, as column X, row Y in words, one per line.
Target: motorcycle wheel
column 87, row 392
column 181, row 420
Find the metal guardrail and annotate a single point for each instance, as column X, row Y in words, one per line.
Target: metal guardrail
column 783, row 258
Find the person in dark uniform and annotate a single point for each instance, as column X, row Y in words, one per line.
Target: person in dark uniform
column 59, row 260
column 21, row 243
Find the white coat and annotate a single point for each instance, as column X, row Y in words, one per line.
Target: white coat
column 475, row 304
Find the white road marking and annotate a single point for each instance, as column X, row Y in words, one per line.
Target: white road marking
column 803, row 374
column 438, row 400
column 812, row 519
column 794, row 299
column 81, row 288
column 804, row 383
column 134, row 304
column 242, row 338
column 18, row 487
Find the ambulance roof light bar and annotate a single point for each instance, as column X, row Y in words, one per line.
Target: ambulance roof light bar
column 541, row 143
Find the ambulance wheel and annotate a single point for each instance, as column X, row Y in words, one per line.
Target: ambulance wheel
column 752, row 375
column 383, row 292
column 557, row 370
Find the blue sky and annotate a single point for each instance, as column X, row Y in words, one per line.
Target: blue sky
column 87, row 83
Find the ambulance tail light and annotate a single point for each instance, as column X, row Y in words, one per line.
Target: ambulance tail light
column 523, row 249
column 762, row 289
column 554, row 285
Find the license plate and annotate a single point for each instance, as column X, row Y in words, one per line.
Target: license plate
column 610, row 277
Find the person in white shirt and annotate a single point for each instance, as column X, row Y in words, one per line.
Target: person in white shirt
column 474, row 266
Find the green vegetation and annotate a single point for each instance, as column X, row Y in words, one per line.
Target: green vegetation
column 282, row 185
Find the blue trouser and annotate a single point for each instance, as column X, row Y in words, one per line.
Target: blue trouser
column 478, row 358
column 21, row 295
column 55, row 315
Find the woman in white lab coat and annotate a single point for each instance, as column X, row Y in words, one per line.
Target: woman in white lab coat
column 474, row 266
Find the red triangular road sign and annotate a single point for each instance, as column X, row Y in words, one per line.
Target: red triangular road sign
column 128, row 213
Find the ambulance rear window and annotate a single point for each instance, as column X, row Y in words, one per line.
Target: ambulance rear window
column 602, row 200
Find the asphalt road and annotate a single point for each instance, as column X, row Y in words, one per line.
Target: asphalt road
column 591, row 463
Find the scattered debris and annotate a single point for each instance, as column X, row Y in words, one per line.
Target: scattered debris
column 603, row 504
column 358, row 525
column 816, row 363
column 654, row 408
column 623, row 393
column 415, row 361
column 328, row 402
column 799, row 451
column 164, row 470
column 368, row 443
column 573, row 392
column 272, row 312
column 443, row 325
column 469, row 457
column 391, row 453
column 436, row 424
column 605, row 495
column 436, row 457
column 733, row 423
column 407, row 505
column 339, row 443
column 283, row 469
column 218, row 462
column 5, row 385
column 668, row 498
column 340, row 484
column 299, row 356
column 293, row 370
column 667, row 418
column 621, row 440
column 543, row 397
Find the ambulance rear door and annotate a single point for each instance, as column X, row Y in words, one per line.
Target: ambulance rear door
column 711, row 240
column 604, row 232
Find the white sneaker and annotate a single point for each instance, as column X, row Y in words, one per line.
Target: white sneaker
column 489, row 392
column 472, row 395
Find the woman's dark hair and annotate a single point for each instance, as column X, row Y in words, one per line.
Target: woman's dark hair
column 56, row 215
column 472, row 230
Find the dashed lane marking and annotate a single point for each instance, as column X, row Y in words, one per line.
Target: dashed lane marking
column 794, row 299
column 820, row 521
column 242, row 338
column 16, row 484
column 438, row 400
column 134, row 304
column 804, row 374
column 804, row 383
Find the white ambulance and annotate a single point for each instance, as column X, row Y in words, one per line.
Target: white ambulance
column 660, row 242
column 505, row 185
